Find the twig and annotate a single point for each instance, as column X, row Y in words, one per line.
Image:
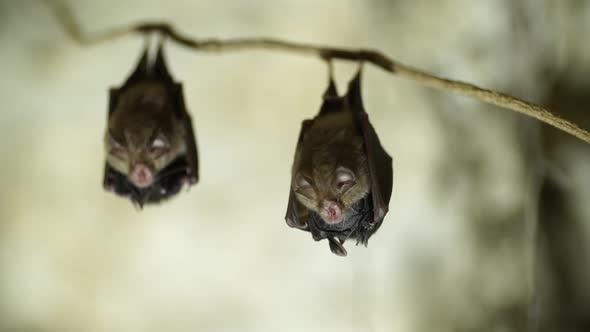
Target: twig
column 375, row 57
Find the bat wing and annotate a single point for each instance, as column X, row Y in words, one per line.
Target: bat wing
column 160, row 72
column 185, row 168
column 297, row 215
column 379, row 161
column 192, row 154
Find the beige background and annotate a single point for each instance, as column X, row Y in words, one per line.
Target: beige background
column 454, row 253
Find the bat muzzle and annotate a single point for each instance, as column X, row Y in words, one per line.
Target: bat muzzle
column 165, row 184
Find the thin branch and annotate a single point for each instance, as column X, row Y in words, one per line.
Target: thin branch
column 374, row 57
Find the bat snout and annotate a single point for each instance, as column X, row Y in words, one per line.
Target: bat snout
column 142, row 176
column 331, row 212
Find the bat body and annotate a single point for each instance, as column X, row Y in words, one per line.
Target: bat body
column 341, row 179
column 150, row 146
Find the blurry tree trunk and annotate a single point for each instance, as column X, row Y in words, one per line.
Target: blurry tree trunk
column 562, row 298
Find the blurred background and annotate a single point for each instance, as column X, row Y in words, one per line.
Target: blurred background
column 489, row 221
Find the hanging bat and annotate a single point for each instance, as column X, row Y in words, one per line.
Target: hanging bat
column 150, row 145
column 342, row 178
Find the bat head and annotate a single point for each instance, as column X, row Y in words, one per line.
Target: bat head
column 150, row 143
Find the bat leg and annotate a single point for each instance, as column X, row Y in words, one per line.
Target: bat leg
column 331, row 91
column 336, row 247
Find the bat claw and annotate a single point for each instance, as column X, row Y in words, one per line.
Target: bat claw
column 337, row 247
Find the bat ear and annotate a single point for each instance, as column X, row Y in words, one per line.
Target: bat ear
column 355, row 99
column 141, row 71
column 160, row 70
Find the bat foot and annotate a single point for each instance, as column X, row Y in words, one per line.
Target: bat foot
column 188, row 181
column 337, row 248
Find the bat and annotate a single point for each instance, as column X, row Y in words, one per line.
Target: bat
column 151, row 152
column 342, row 178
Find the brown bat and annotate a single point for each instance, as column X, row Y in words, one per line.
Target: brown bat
column 342, row 178
column 149, row 141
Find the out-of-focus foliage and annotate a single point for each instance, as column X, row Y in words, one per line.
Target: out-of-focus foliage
column 467, row 244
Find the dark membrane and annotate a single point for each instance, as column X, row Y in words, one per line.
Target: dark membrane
column 357, row 224
column 184, row 169
column 168, row 183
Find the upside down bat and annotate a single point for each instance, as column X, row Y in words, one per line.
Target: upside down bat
column 149, row 141
column 342, row 178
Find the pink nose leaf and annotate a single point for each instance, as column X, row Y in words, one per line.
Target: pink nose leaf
column 331, row 212
column 141, row 176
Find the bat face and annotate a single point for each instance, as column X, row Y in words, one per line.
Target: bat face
column 149, row 142
column 341, row 177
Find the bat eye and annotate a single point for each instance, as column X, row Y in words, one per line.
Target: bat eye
column 344, row 180
column 117, row 149
column 306, row 191
column 302, row 182
column 159, row 143
column 115, row 143
column 159, row 146
column 304, row 186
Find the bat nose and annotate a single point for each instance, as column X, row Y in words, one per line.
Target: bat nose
column 331, row 212
column 142, row 176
